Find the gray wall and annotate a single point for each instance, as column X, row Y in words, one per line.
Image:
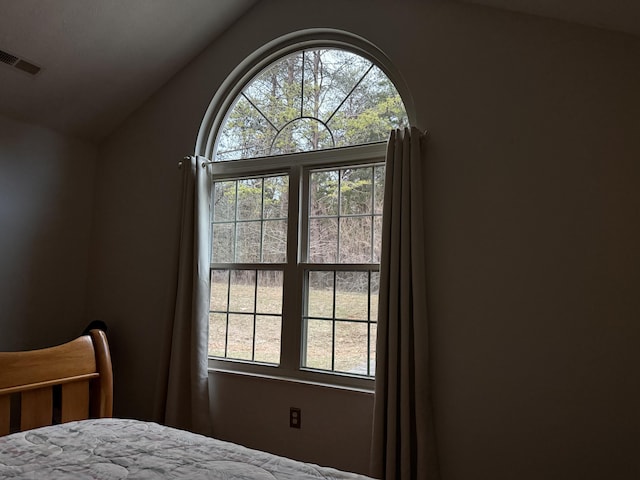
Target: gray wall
column 533, row 241
column 46, row 198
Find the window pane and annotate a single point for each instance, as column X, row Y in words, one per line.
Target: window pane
column 320, row 294
column 239, row 230
column 356, row 293
column 248, row 242
column 352, row 295
column 378, row 190
column 224, row 201
column 246, row 134
column 351, row 348
column 269, row 295
column 277, row 91
column 329, row 76
column 219, row 290
column 375, row 288
column 323, row 240
column 302, row 135
column 276, row 197
column 375, row 99
column 323, row 193
column 358, row 240
column 268, row 333
column 250, row 199
column 373, row 330
column 274, row 243
column 377, row 238
column 217, row 333
column 242, row 294
column 356, row 193
column 319, row 345
column 252, row 295
column 355, row 240
column 222, row 242
column 240, row 344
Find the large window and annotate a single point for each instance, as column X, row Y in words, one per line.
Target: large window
column 296, row 217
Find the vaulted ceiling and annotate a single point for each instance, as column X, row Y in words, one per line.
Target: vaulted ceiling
column 100, row 60
column 619, row 15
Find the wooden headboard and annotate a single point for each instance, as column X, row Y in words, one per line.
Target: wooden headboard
column 72, row 381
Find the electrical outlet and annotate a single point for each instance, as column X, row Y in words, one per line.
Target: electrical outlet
column 295, row 417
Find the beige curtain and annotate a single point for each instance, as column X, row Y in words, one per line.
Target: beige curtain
column 187, row 402
column 403, row 445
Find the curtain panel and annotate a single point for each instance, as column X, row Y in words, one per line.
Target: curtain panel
column 187, row 403
column 403, row 444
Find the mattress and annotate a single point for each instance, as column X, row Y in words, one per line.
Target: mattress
column 113, row 449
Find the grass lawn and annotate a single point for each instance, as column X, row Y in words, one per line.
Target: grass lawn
column 325, row 331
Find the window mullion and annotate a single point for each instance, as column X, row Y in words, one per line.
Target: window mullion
column 255, row 315
column 369, row 323
column 333, row 318
column 262, row 220
column 340, row 172
column 235, row 225
column 372, row 207
column 293, row 277
column 226, row 328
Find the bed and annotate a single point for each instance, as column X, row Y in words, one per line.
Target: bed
column 56, row 423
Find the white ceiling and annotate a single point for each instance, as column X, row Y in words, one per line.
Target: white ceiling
column 101, row 59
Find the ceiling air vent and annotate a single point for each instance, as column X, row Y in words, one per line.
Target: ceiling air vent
column 19, row 63
column 8, row 58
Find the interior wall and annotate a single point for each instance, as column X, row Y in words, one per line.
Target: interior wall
column 46, row 198
column 335, row 424
column 534, row 223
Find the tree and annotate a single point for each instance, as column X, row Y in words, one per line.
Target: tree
column 311, row 100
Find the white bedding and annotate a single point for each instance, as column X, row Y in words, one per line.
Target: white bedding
column 114, row 449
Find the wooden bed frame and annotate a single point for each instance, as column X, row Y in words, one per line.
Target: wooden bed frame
column 72, row 381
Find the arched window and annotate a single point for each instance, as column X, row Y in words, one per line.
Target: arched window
column 298, row 176
column 312, row 99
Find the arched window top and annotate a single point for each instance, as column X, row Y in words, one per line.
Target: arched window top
column 311, row 99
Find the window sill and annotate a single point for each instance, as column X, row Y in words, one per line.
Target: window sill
column 307, row 377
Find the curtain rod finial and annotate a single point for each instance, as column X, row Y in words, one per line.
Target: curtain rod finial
column 184, row 159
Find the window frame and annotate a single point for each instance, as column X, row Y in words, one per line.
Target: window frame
column 297, row 166
column 247, row 67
